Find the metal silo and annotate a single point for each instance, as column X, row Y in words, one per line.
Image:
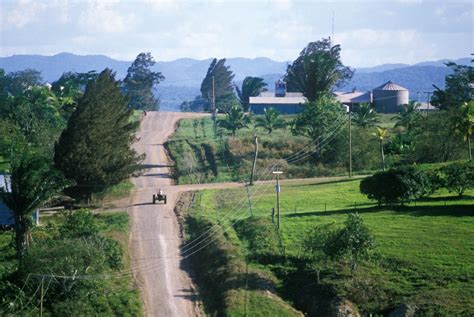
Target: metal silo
column 389, row 97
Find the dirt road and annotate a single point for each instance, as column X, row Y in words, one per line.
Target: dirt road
column 165, row 287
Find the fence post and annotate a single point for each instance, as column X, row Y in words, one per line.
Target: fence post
column 273, row 215
column 324, row 207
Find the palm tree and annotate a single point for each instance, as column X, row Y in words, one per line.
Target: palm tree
column 463, row 123
column 408, row 116
column 270, row 120
column 381, row 134
column 251, row 86
column 365, row 116
column 33, row 182
column 235, row 119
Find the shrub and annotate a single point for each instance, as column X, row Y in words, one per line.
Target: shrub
column 458, row 177
column 261, row 236
column 353, row 242
column 79, row 224
column 399, row 185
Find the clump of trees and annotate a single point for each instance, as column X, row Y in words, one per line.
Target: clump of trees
column 406, row 183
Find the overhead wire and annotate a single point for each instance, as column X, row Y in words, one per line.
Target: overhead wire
column 196, row 242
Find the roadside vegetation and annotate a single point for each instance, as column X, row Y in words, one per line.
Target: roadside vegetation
column 420, row 256
column 390, row 242
column 68, row 144
column 72, row 267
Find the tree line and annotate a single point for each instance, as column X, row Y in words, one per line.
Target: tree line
column 73, row 137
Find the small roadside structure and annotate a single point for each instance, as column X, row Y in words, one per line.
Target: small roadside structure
column 7, row 218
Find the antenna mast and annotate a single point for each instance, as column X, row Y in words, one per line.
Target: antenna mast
column 332, row 37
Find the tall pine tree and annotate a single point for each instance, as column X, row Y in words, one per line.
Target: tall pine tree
column 95, row 148
column 139, row 82
column 223, row 88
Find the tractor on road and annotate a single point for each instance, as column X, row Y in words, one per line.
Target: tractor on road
column 159, row 197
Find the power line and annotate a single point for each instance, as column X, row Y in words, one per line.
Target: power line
column 186, row 251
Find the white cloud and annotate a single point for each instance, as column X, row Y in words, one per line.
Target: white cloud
column 105, row 17
column 284, row 4
column 23, row 13
column 370, row 38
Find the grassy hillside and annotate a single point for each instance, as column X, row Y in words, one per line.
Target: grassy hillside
column 200, row 157
column 424, row 255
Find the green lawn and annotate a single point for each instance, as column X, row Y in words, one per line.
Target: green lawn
column 425, row 252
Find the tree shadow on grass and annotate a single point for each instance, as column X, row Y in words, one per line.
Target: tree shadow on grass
column 448, row 198
column 416, row 211
column 345, row 180
column 155, row 165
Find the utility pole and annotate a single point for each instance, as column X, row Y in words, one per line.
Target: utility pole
column 250, row 203
column 255, row 143
column 42, row 296
column 277, row 188
column 428, row 101
column 350, row 141
column 213, row 106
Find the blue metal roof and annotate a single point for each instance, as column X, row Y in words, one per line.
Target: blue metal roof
column 6, row 216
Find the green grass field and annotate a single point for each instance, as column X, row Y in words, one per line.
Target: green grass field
column 425, row 252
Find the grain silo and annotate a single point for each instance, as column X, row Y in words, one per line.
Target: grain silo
column 389, row 97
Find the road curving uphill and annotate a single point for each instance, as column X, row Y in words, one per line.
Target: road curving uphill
column 165, row 286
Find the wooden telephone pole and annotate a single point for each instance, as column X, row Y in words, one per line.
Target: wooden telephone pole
column 213, row 106
column 350, row 141
column 277, row 188
column 255, row 143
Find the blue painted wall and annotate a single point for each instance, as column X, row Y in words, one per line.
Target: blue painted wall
column 281, row 108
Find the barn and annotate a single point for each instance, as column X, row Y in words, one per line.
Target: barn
column 387, row 98
column 280, row 100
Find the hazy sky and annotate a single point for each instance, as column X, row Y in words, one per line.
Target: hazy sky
column 370, row 32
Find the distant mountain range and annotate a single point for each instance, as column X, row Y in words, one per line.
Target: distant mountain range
column 184, row 75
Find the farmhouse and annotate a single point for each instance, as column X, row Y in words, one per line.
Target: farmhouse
column 6, row 215
column 387, row 98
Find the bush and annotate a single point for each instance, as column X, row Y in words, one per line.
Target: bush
column 261, row 236
column 458, row 177
column 399, row 185
column 353, row 242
